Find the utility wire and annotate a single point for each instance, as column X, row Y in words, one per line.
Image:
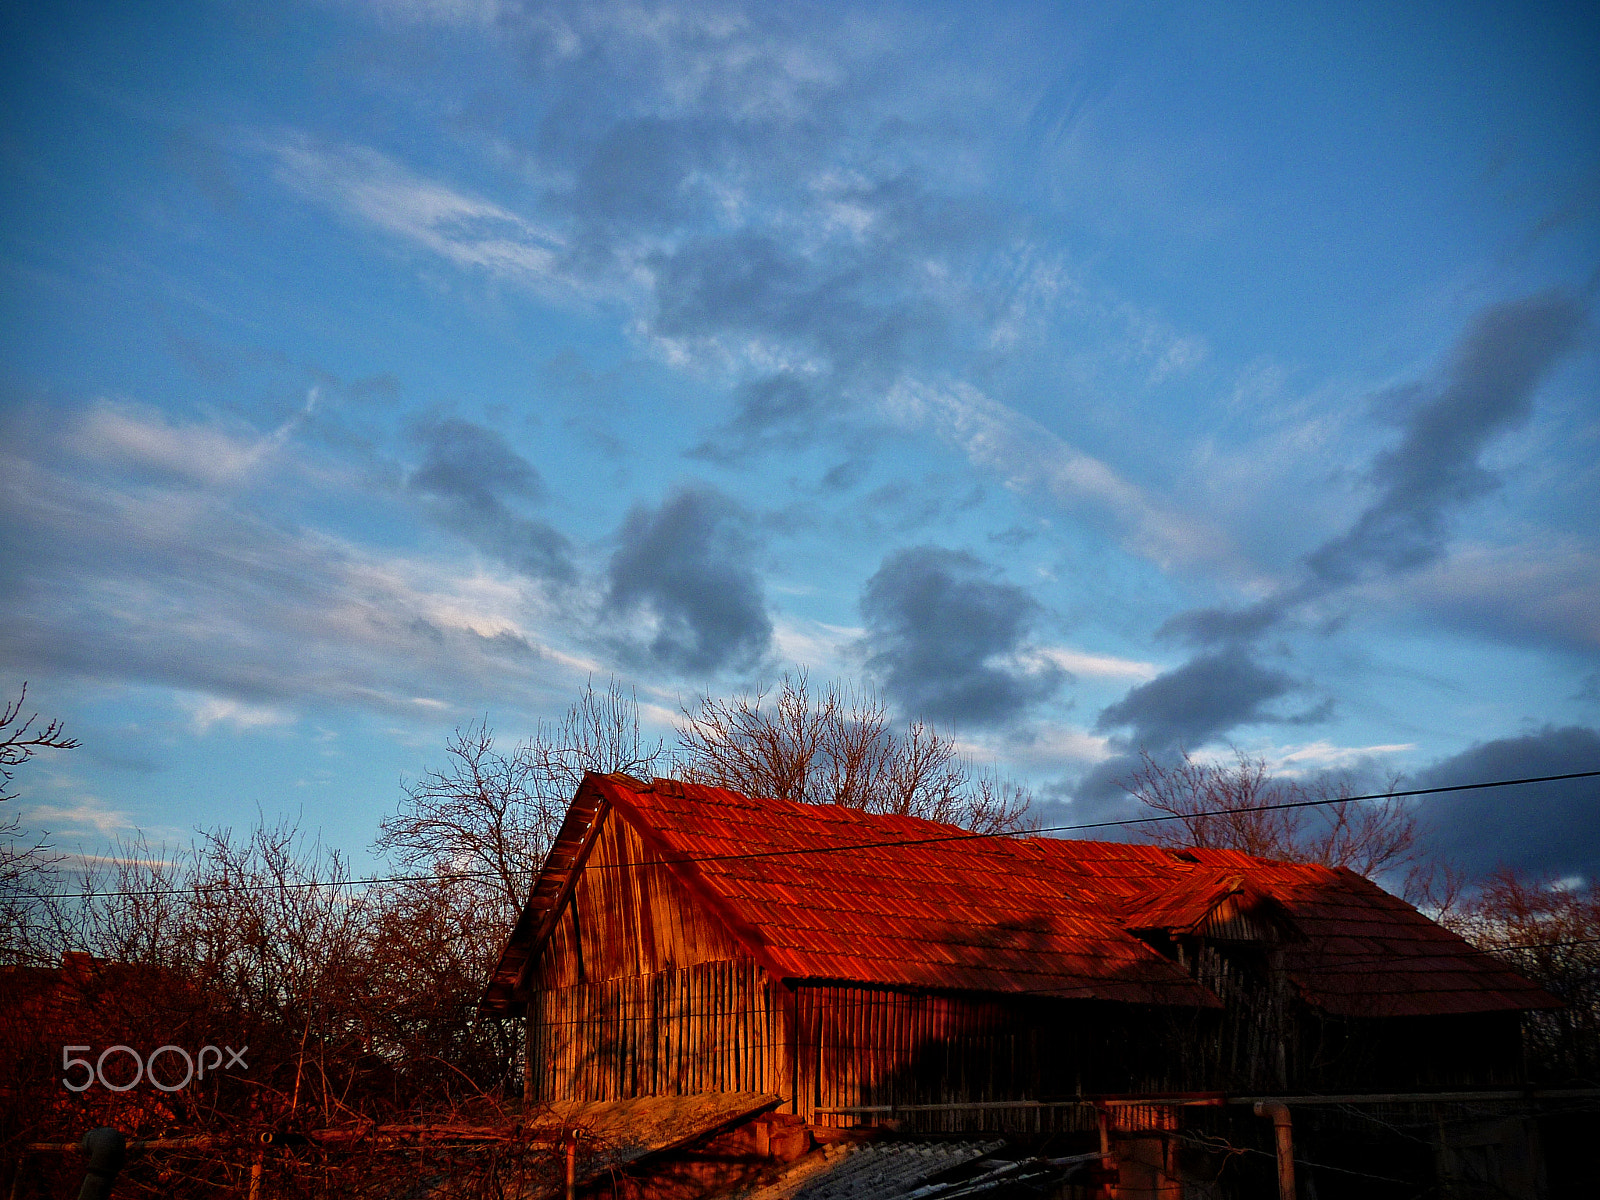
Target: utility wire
column 794, row 852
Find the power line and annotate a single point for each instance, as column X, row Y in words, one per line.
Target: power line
column 970, row 835
column 794, row 852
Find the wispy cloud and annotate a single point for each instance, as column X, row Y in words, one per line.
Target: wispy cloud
column 464, row 229
column 1095, row 666
column 121, row 578
column 83, row 814
column 208, row 711
column 1325, row 756
column 142, row 437
column 1031, row 458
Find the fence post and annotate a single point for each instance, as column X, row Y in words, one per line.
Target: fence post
column 1283, row 1136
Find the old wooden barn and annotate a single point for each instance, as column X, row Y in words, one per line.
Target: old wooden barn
column 684, row 939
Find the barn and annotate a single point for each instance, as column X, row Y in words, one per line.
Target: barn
column 683, row 940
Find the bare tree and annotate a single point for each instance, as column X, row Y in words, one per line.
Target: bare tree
column 1236, row 807
column 25, row 864
column 838, row 747
column 492, row 816
column 470, row 838
column 1548, row 931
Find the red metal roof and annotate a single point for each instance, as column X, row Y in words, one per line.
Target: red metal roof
column 821, row 892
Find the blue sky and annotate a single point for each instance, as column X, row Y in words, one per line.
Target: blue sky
column 1084, row 378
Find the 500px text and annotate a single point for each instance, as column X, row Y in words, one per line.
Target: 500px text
column 192, row 1068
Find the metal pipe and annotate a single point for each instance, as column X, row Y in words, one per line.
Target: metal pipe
column 572, row 1166
column 1283, row 1135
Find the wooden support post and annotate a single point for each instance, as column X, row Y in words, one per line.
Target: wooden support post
column 1108, row 1157
column 572, row 1164
column 527, row 1056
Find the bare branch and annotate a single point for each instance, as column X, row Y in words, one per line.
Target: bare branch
column 1223, row 806
column 837, row 747
column 19, row 743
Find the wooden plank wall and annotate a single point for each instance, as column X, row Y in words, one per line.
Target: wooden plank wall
column 710, row 1027
column 865, row 1046
column 627, row 917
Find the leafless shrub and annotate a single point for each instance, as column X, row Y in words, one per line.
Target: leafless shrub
column 838, row 747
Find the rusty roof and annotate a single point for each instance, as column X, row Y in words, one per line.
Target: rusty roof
column 820, row 892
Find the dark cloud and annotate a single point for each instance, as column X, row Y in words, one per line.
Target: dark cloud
column 687, row 564
column 774, row 410
column 466, row 475
column 1225, row 626
column 1192, row 704
column 1487, row 389
column 1545, row 828
column 936, row 620
column 857, row 307
column 1187, row 707
column 469, row 463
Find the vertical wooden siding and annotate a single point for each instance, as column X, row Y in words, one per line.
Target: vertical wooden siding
column 710, row 1027
column 869, row 1046
column 627, row 917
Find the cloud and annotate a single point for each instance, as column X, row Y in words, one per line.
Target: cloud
column 471, row 13
column 144, row 438
column 685, row 570
column 1545, row 828
column 943, row 637
column 1049, row 746
column 1539, row 593
column 207, row 711
column 1194, row 703
column 775, row 209
column 461, row 228
column 1322, row 756
column 774, row 410
column 125, row 579
column 1487, row 388
column 79, row 815
column 1185, row 708
column 1096, row 666
column 1031, row 458
column 466, row 473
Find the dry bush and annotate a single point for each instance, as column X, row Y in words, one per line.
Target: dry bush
column 355, row 1003
column 838, row 747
